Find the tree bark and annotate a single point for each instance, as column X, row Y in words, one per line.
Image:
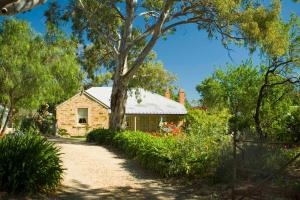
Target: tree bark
column 2, row 116
column 13, row 7
column 6, row 122
column 118, row 105
column 123, row 74
column 257, row 112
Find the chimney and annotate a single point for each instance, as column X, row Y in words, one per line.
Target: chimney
column 181, row 96
column 168, row 94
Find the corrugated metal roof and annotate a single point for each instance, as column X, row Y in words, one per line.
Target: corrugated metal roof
column 146, row 103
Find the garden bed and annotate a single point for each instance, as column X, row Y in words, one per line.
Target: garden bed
column 167, row 155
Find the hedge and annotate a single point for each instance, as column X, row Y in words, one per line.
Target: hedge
column 167, row 156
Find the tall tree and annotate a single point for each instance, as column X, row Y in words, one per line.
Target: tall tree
column 33, row 70
column 98, row 65
column 128, row 30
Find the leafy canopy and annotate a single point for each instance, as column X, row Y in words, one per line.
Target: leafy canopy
column 240, row 21
column 119, row 35
column 237, row 89
column 34, row 70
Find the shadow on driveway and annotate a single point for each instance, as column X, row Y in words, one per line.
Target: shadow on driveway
column 146, row 191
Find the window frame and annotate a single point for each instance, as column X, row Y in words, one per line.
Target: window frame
column 78, row 116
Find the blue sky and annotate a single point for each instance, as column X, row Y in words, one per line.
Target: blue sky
column 189, row 53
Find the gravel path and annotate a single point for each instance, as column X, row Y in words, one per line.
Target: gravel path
column 95, row 172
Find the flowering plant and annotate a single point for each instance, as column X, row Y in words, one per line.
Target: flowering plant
column 169, row 128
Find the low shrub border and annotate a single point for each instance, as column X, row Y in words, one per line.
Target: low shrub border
column 167, row 156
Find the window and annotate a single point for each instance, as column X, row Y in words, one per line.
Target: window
column 82, row 115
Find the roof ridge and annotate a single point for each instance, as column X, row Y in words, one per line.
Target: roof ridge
column 152, row 103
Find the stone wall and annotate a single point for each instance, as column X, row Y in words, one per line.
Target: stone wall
column 67, row 115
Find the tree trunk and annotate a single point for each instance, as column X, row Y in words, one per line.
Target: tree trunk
column 257, row 112
column 6, row 122
column 2, row 116
column 118, row 102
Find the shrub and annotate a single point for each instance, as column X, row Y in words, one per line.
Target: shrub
column 101, row 136
column 290, row 129
column 63, row 132
column 200, row 156
column 205, row 123
column 255, row 162
column 29, row 164
column 168, row 156
column 27, row 124
column 43, row 125
column 154, row 153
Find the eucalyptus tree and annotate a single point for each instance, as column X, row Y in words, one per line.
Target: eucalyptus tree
column 34, row 70
column 128, row 30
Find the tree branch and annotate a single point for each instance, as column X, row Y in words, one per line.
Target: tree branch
column 12, row 7
column 156, row 34
column 187, row 21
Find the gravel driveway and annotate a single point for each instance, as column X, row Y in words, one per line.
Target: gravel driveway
column 96, row 172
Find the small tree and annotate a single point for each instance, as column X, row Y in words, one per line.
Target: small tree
column 281, row 71
column 240, row 89
column 235, row 89
column 34, row 71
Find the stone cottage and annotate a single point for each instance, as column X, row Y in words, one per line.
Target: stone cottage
column 144, row 110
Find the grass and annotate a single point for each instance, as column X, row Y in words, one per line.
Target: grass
column 78, row 138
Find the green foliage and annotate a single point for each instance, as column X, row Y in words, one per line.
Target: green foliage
column 42, row 121
column 243, row 22
column 50, row 68
column 240, row 22
column 237, row 89
column 264, row 26
column 27, row 124
column 35, row 70
column 63, row 132
column 167, row 156
column 290, row 126
column 124, row 33
column 152, row 76
column 43, row 126
column 101, row 136
column 255, row 161
column 202, row 123
column 29, row 164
